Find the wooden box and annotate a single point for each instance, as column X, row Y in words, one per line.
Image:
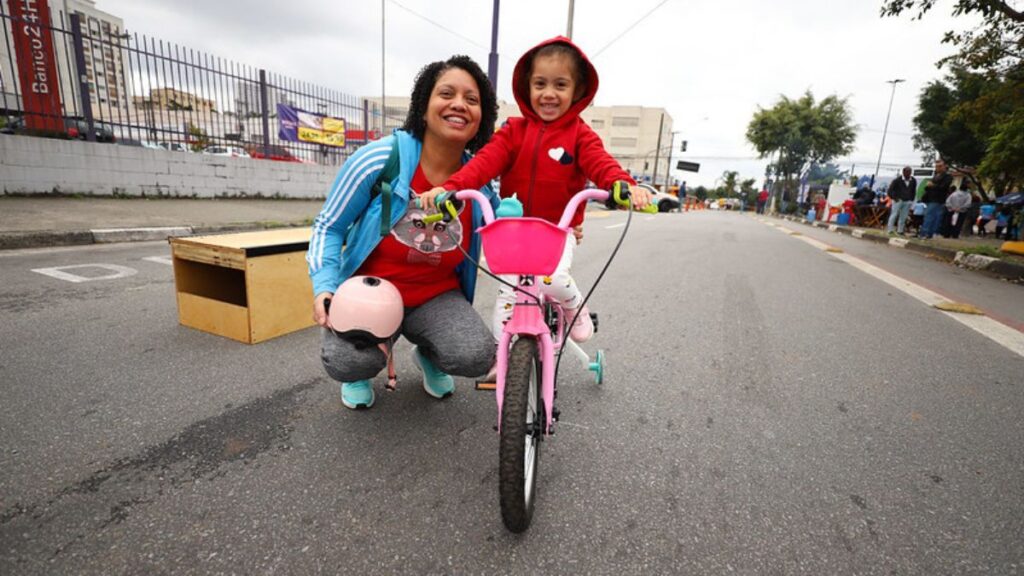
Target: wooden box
column 250, row 287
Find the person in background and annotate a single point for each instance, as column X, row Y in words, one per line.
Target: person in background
column 971, row 215
column 901, row 191
column 985, row 215
column 935, row 193
column 956, row 207
column 1003, row 223
column 762, row 200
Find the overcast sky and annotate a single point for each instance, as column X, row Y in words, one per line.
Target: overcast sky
column 709, row 63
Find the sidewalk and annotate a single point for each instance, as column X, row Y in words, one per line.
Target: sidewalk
column 37, row 221
column 974, row 253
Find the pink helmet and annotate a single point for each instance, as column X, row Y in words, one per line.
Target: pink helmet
column 366, row 308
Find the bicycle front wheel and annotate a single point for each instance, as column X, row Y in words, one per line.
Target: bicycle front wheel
column 521, row 424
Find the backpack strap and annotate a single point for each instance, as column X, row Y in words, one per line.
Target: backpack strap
column 383, row 187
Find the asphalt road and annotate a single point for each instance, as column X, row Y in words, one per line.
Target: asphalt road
column 768, row 409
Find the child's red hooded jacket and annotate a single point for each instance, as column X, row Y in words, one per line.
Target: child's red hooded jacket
column 543, row 163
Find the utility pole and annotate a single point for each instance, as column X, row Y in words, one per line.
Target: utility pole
column 492, row 62
column 383, row 92
column 568, row 27
column 657, row 151
column 894, row 82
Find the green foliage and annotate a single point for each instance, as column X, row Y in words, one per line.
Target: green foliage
column 801, row 131
column 823, row 174
column 198, row 139
column 701, row 193
column 995, row 46
column 1004, row 161
column 728, row 187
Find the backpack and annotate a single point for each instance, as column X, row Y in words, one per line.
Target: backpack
column 383, row 188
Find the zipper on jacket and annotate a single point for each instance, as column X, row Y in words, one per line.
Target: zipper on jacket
column 533, row 172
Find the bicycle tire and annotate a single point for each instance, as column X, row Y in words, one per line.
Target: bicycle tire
column 519, row 445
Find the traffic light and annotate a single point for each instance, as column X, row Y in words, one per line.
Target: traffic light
column 682, row 147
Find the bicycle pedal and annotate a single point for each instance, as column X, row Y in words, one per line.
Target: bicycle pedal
column 486, row 386
column 593, row 320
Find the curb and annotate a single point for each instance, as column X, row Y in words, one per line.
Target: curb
column 996, row 267
column 47, row 239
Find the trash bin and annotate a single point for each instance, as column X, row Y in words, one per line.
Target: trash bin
column 843, row 219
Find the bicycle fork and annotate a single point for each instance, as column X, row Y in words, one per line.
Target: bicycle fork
column 528, row 322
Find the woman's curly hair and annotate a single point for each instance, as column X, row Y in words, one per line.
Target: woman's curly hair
column 415, row 123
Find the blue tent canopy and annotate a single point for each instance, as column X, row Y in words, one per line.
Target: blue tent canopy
column 1011, row 199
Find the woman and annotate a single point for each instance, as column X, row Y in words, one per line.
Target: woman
column 453, row 110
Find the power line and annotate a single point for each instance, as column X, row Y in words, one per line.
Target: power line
column 631, row 26
column 439, row 25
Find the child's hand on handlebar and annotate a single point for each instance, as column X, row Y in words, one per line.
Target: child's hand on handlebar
column 640, row 197
column 427, row 199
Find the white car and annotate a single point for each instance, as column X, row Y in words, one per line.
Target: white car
column 233, row 151
column 664, row 201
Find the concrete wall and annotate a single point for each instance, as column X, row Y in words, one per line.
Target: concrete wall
column 30, row 165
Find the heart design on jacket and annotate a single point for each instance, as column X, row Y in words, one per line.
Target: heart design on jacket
column 560, row 155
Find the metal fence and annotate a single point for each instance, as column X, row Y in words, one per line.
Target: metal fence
column 132, row 89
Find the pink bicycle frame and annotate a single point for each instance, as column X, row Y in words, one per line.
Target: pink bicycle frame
column 527, row 315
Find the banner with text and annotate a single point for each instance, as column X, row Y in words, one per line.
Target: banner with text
column 296, row 125
column 37, row 68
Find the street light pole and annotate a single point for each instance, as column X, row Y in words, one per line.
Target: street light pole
column 878, row 165
column 492, row 63
column 568, row 27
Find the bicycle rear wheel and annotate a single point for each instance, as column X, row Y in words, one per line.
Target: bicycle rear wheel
column 521, row 424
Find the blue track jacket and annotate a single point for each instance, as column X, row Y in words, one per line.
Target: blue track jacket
column 351, row 218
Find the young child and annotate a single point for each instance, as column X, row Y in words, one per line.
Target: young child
column 544, row 158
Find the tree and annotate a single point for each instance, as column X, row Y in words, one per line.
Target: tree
column 823, row 174
column 198, row 139
column 728, row 179
column 994, row 47
column 701, row 193
column 1004, row 161
column 800, row 132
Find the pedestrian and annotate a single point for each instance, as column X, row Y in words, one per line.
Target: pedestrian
column 452, row 113
column 762, row 200
column 901, row 191
column 956, row 207
column 682, row 195
column 971, row 215
column 985, row 215
column 935, row 193
column 545, row 158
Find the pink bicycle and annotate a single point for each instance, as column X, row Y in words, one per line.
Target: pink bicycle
column 526, row 387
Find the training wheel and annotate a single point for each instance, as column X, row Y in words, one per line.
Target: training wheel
column 597, row 367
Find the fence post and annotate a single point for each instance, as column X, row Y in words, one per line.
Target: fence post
column 265, row 112
column 83, row 79
column 366, row 121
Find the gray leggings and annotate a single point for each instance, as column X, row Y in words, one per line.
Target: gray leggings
column 447, row 329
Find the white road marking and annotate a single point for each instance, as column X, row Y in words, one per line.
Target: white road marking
column 620, row 225
column 60, row 273
column 1006, row 336
column 159, row 259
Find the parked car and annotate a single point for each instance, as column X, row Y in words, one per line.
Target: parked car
column 174, row 146
column 75, row 128
column 139, row 143
column 232, row 151
column 665, row 202
column 277, row 153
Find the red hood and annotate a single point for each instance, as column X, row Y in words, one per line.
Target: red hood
column 521, row 88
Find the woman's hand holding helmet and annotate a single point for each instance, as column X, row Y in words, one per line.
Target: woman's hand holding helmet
column 320, row 309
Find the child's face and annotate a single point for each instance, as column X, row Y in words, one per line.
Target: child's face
column 552, row 86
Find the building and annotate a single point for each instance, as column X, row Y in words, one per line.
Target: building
column 173, row 99
column 102, row 48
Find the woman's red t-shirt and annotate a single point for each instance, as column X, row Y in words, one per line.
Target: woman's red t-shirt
column 420, row 259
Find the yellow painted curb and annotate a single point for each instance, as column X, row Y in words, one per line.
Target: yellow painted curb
column 834, row 250
column 1012, row 247
column 959, row 308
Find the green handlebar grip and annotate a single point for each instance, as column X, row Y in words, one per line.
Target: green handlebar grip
column 430, row 219
column 617, row 190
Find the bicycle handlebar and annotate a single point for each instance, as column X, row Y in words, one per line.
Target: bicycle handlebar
column 449, row 202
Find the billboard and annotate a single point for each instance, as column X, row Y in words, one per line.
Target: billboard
column 295, row 125
column 37, row 68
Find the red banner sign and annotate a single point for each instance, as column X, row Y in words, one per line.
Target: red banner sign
column 37, row 68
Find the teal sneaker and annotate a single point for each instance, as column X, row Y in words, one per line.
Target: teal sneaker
column 436, row 383
column 358, row 394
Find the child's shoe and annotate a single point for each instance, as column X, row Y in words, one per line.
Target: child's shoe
column 583, row 329
column 436, row 383
column 358, row 394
